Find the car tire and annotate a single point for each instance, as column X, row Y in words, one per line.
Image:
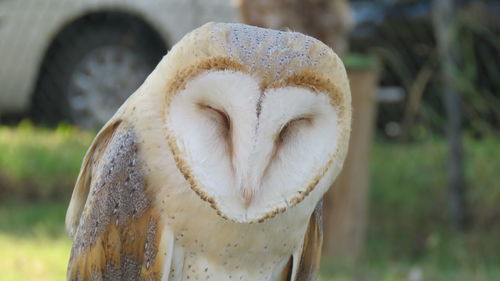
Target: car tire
column 91, row 69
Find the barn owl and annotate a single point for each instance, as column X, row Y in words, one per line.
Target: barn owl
column 215, row 167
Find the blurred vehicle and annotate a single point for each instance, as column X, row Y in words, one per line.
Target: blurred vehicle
column 78, row 60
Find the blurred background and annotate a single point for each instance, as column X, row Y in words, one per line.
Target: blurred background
column 419, row 198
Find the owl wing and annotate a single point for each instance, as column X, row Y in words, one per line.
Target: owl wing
column 116, row 230
column 304, row 266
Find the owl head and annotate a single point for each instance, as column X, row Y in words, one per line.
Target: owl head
column 257, row 120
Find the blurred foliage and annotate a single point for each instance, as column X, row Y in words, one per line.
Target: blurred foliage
column 476, row 80
column 408, row 213
column 411, row 178
column 477, row 76
column 39, row 163
column 409, row 235
column 406, row 47
column 360, row 61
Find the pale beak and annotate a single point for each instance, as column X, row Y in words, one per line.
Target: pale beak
column 247, row 195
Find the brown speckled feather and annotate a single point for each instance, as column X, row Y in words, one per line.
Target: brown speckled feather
column 118, row 234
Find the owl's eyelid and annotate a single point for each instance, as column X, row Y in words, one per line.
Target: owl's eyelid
column 308, row 118
column 220, row 112
column 216, row 110
column 285, row 127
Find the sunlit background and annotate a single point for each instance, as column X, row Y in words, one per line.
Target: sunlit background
column 419, row 198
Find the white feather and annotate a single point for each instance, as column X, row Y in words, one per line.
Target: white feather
column 258, row 175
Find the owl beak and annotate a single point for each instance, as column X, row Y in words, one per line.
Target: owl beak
column 247, row 195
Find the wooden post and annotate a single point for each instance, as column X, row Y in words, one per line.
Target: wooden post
column 346, row 204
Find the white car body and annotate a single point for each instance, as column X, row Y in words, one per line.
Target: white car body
column 28, row 27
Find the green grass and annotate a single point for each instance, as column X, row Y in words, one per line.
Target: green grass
column 409, row 234
column 34, row 247
column 409, row 192
column 39, row 163
column 410, row 230
column 33, row 243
